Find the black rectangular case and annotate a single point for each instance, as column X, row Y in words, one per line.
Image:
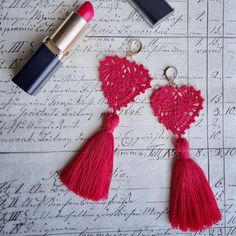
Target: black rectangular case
column 153, row 11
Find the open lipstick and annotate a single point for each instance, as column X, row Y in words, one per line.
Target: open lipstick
column 53, row 51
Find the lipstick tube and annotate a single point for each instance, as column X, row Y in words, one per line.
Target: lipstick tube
column 53, row 51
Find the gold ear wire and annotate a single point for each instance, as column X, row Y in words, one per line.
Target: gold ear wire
column 170, row 74
column 133, row 52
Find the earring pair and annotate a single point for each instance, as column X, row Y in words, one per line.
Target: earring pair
column 192, row 202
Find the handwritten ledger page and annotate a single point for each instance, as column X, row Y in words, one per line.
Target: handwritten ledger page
column 40, row 134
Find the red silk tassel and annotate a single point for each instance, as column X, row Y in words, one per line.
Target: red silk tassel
column 89, row 174
column 192, row 203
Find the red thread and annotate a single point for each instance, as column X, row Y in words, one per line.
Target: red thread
column 182, row 148
column 111, row 122
column 177, row 108
column 192, row 203
column 122, row 81
column 89, row 174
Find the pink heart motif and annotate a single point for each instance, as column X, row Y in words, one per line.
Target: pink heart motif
column 122, row 80
column 177, row 107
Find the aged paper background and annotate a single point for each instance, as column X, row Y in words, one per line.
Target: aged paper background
column 40, row 134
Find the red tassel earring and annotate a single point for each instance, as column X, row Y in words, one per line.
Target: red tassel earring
column 89, row 174
column 192, row 203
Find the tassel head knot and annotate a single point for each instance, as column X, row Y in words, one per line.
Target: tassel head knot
column 110, row 122
column 182, row 148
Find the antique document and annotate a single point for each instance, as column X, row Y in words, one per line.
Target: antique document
column 40, row 134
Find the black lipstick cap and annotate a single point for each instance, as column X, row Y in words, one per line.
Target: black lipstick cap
column 153, row 11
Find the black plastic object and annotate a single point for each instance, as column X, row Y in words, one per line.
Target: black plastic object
column 153, row 11
column 36, row 72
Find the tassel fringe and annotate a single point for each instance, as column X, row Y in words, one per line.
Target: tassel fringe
column 192, row 203
column 89, row 174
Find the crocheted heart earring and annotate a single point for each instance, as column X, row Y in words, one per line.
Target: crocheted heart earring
column 89, row 174
column 192, row 203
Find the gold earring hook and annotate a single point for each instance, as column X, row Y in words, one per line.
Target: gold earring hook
column 170, row 74
column 133, row 52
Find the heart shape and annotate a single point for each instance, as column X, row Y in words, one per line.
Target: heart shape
column 177, row 107
column 122, row 81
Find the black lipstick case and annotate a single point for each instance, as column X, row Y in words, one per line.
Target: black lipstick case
column 50, row 55
column 37, row 70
